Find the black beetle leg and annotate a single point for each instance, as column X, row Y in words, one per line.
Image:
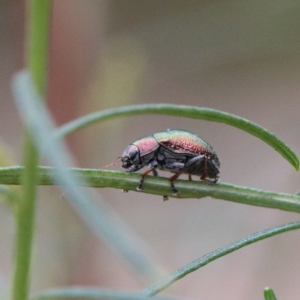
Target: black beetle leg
column 213, row 181
column 140, row 186
column 165, row 197
column 199, row 164
column 172, row 179
column 154, row 172
column 216, row 179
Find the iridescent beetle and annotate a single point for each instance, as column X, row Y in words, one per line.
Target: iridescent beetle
column 177, row 151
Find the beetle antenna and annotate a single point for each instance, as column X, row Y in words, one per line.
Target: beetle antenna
column 117, row 160
column 106, row 166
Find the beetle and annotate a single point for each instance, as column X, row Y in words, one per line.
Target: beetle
column 177, row 151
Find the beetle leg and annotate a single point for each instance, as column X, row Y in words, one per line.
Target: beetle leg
column 154, row 172
column 140, row 186
column 213, row 181
column 204, row 174
column 173, row 165
column 172, row 179
column 197, row 165
column 165, row 197
column 195, row 161
column 133, row 168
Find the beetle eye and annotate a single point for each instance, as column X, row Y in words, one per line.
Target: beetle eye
column 125, row 162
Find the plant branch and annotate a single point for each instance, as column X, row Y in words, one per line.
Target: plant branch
column 161, row 186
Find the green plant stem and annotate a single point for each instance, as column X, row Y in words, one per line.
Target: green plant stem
column 39, row 13
column 161, row 186
column 25, row 215
column 36, row 60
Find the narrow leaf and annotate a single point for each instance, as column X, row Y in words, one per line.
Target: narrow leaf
column 269, row 294
column 38, row 120
column 206, row 259
column 187, row 112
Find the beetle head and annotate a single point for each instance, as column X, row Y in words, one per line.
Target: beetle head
column 131, row 156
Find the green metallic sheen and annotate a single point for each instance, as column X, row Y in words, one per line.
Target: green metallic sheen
column 180, row 141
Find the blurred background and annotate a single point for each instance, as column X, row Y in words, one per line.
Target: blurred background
column 241, row 57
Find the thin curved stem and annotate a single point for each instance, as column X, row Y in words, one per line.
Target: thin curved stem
column 187, row 112
column 204, row 260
